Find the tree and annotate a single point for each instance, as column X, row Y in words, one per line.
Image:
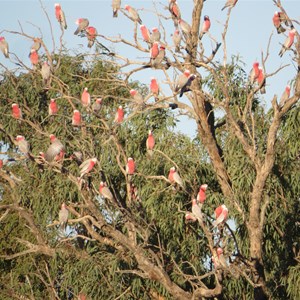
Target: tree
column 132, row 232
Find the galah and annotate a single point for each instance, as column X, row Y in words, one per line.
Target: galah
column 130, row 166
column 182, row 80
column 4, row 46
column 230, row 4
column 285, row 95
column 254, row 72
column 288, row 42
column 155, row 35
column 56, row 149
column 175, row 12
column 85, row 98
column 201, row 196
column 156, row 62
column 221, row 214
column 91, row 35
column 136, row 96
column 119, row 117
column 145, row 33
column 105, row 192
column 1, row 163
column 205, row 27
column 36, row 44
column 154, row 50
column 34, row 57
column 63, row 216
column 53, row 109
column 76, row 118
column 133, row 190
column 177, row 40
column 221, row 258
column 189, row 217
column 97, row 105
column 261, row 80
column 186, row 87
column 16, row 111
column 22, row 144
column 185, row 28
column 116, row 4
column 46, row 72
column 196, row 210
column 277, row 22
column 150, row 143
column 174, row 177
column 87, row 166
column 82, row 296
column 82, row 24
column 60, row 16
column 133, row 14
column 154, row 87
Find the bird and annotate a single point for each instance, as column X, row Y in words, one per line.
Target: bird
column 175, row 11
column 97, row 105
column 34, row 57
column 4, row 46
column 116, row 4
column 76, row 118
column 221, row 214
column 16, row 111
column 201, row 196
column 154, row 50
column 82, row 24
column 105, row 192
column 85, row 98
column 221, row 258
column 150, row 143
column 261, row 80
column 277, row 22
column 288, row 42
column 136, row 96
column 63, row 216
column 91, row 35
column 186, row 87
column 185, row 28
column 154, row 87
column 196, row 210
column 60, row 16
column 182, row 80
column 133, row 14
column 22, row 144
column 156, row 62
column 119, row 117
column 254, row 72
column 177, row 40
column 155, row 35
column 145, row 33
column 87, row 166
column 230, row 4
column 189, row 217
column 36, row 44
column 174, row 177
column 46, row 72
column 56, row 150
column 205, row 27
column 285, row 95
column 130, row 166
column 53, row 109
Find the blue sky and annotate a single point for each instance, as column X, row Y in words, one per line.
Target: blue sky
column 249, row 30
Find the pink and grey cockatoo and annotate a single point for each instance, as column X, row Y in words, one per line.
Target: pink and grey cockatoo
column 154, row 87
column 205, row 27
column 221, row 214
column 288, row 42
column 150, row 143
column 60, row 16
column 63, row 216
column 4, row 46
column 221, row 258
column 97, row 105
column 55, row 151
column 53, row 108
column 116, row 4
column 105, row 192
column 34, row 57
column 182, row 80
column 76, row 118
column 201, row 196
column 36, row 44
column 174, row 177
column 145, row 33
column 155, row 35
column 46, row 72
column 87, row 166
column 175, row 11
column 130, row 166
column 277, row 22
column 85, row 98
column 196, row 210
column 186, row 87
column 261, row 80
column 185, row 29
column 254, row 72
column 156, row 62
column 136, row 96
column 22, row 144
column 1, row 163
column 190, row 218
column 91, row 33
column 154, row 50
column 133, row 14
column 230, row 4
column 177, row 40
column 285, row 95
column 119, row 117
column 82, row 24
column 16, row 111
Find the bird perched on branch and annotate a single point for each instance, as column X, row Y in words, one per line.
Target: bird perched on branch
column 63, row 216
column 56, row 150
column 82, row 24
column 288, row 42
column 4, row 46
column 133, row 14
column 116, row 4
column 60, row 16
column 230, row 4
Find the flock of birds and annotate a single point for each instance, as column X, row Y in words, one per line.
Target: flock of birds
column 56, row 151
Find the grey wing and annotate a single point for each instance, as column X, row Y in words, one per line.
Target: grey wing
column 53, row 150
